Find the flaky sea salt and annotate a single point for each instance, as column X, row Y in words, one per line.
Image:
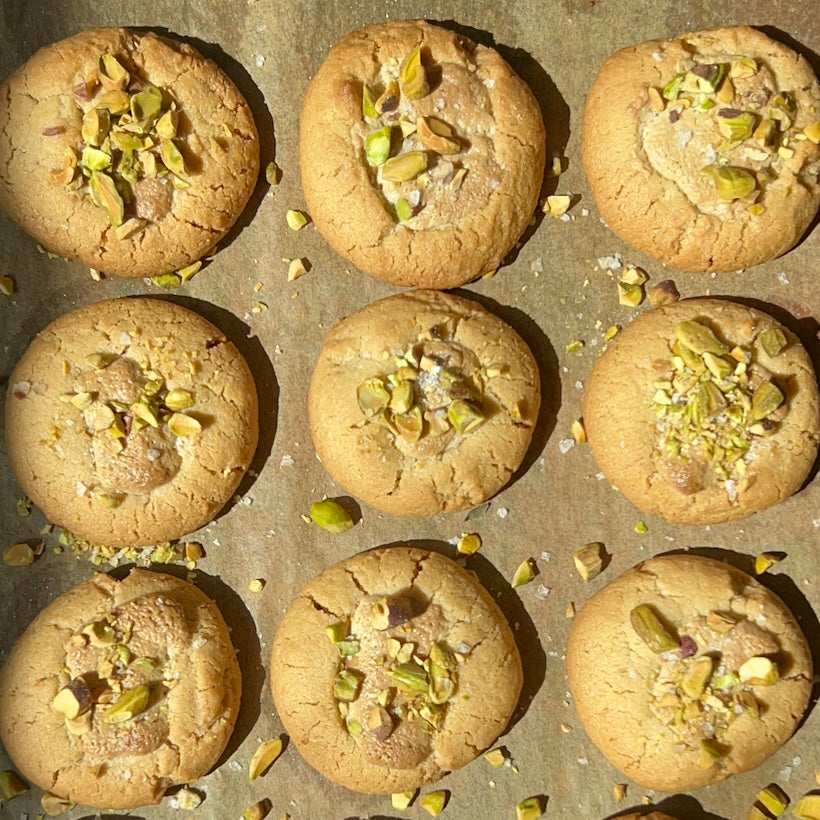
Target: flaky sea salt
column 565, row 445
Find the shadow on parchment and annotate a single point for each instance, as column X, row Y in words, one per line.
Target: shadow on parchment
column 680, row 806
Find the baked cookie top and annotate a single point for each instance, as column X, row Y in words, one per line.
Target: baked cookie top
column 131, row 421
column 702, row 151
column 422, row 154
column 127, row 151
column 704, row 411
column 685, row 670
column 379, row 670
column 423, row 403
column 120, row 689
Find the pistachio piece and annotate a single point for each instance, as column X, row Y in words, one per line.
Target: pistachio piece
column 807, row 807
column 172, row 157
column 722, row 622
column 664, row 293
column 296, row 220
column 387, row 613
column 434, row 802
column 99, row 634
column 404, row 167
column 372, row 396
column 389, row 100
column 410, row 677
column 188, row 799
column 764, row 134
column 468, row 543
column 128, row 705
column 114, row 101
column 377, row 146
column 495, row 757
column 11, row 786
column 18, row 555
column 258, row 811
column 178, row 399
column 410, row 425
column 766, row 560
column 95, row 127
column 401, row 399
column 719, row 367
column 53, row 805
column 104, row 195
column 403, row 210
column 696, row 677
column 336, row 632
column 401, row 800
column 346, row 685
column 774, row 799
column 464, row 415
column 442, row 686
column 735, row 125
column 523, row 574
column 730, row 183
column 437, row 136
column 166, row 126
column 379, row 723
column 765, row 400
column 651, row 630
column 699, row 338
column 330, row 516
column 629, row 294
column 812, row 132
column 129, row 228
column 169, row 281
column 703, row 78
column 111, row 72
column 73, row 699
column 7, row 283
column 773, row 341
column 182, row 425
column 263, row 758
column 759, row 671
column 578, row 431
column 368, row 104
column 146, row 105
column 589, row 560
column 529, row 809
column 708, row 754
column 413, row 77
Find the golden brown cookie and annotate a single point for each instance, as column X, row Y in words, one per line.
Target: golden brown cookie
column 422, row 154
column 685, row 670
column 125, row 150
column 119, row 690
column 704, row 411
column 702, row 151
column 379, row 670
column 131, row 421
column 423, row 403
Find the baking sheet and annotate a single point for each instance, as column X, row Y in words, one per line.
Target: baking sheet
column 552, row 292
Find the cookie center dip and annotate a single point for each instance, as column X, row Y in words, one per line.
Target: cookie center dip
column 421, row 144
column 136, row 424
column 707, row 676
column 716, row 405
column 724, row 131
column 395, row 677
column 127, row 155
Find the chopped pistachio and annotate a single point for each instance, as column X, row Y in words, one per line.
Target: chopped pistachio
column 129, row 228
column 529, row 809
column 807, row 807
column 651, row 630
column 172, row 157
column 730, row 183
column 664, row 293
column 495, row 757
column 296, row 219
column 630, row 295
column 100, row 634
column 264, row 757
column 709, row 754
column 6, row 285
column 372, row 395
column 765, row 400
column 437, row 136
column 759, row 671
column 10, row 786
column 401, row 800
column 578, row 431
column 53, row 805
column 403, row 210
column 346, row 685
column 411, row 677
column 368, row 104
column 272, row 174
column 774, row 799
column 611, row 332
column 813, row 132
column 188, row 799
column 258, row 811
column 330, row 516
column 413, row 77
column 182, row 425
column 178, row 399
column 189, row 271
column 24, row 506
column 735, row 125
column 469, row 543
column 524, row 574
column 128, row 705
column 575, row 346
column 619, row 792
column 18, row 555
column 297, row 268
column 377, row 145
column 111, row 72
column 104, row 194
column 589, row 560
column 634, row 276
column 773, row 341
column 464, row 415
column 766, row 560
column 256, row 585
column 557, row 205
column 434, row 802
column 404, row 167
column 696, row 677
column 699, row 338
column 641, row 528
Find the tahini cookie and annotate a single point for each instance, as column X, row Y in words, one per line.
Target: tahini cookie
column 119, row 690
column 125, row 150
column 702, row 151
column 131, row 421
column 685, row 670
column 380, row 669
column 423, row 403
column 704, row 411
column 422, row 154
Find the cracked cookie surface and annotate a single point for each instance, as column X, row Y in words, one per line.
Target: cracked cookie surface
column 392, row 668
column 702, row 151
column 90, row 168
column 710, row 436
column 423, row 172
column 150, row 637
column 423, row 403
column 686, row 711
column 131, row 421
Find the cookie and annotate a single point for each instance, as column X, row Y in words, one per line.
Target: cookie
column 422, row 154
column 131, row 422
column 127, row 151
column 423, row 403
column 704, row 411
column 685, row 670
column 119, row 690
column 379, row 670
column 702, row 151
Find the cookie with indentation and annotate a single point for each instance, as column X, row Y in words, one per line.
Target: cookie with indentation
column 423, row 403
column 131, row 421
column 704, row 411
column 119, row 690
column 685, row 670
column 702, row 151
column 422, row 154
column 127, row 151
column 392, row 668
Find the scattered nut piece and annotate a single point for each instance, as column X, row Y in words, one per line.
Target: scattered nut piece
column 272, row 173
column 401, row 800
column 629, row 294
column 168, row 281
column 766, row 560
column 651, row 630
column 259, row 307
column 73, row 699
column 524, row 574
column 566, row 728
column 556, row 205
column 330, row 516
column 807, row 807
column 257, row 585
column 529, row 809
column 578, row 431
column 128, row 705
column 297, row 268
column 469, row 543
column 434, row 802
column 611, row 332
column 189, row 271
column 570, row 610
column 188, row 799
column 641, row 528
column 18, row 555
column 759, row 671
column 258, row 811
column 774, row 799
column 6, row 285
column 557, row 168
column 589, row 560
column 263, row 758
column 575, row 346
column 296, row 220
column 54, row 805
column 664, row 293
column 619, row 792
column 633, row 275
column 756, row 813
column 11, row 786
column 495, row 757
